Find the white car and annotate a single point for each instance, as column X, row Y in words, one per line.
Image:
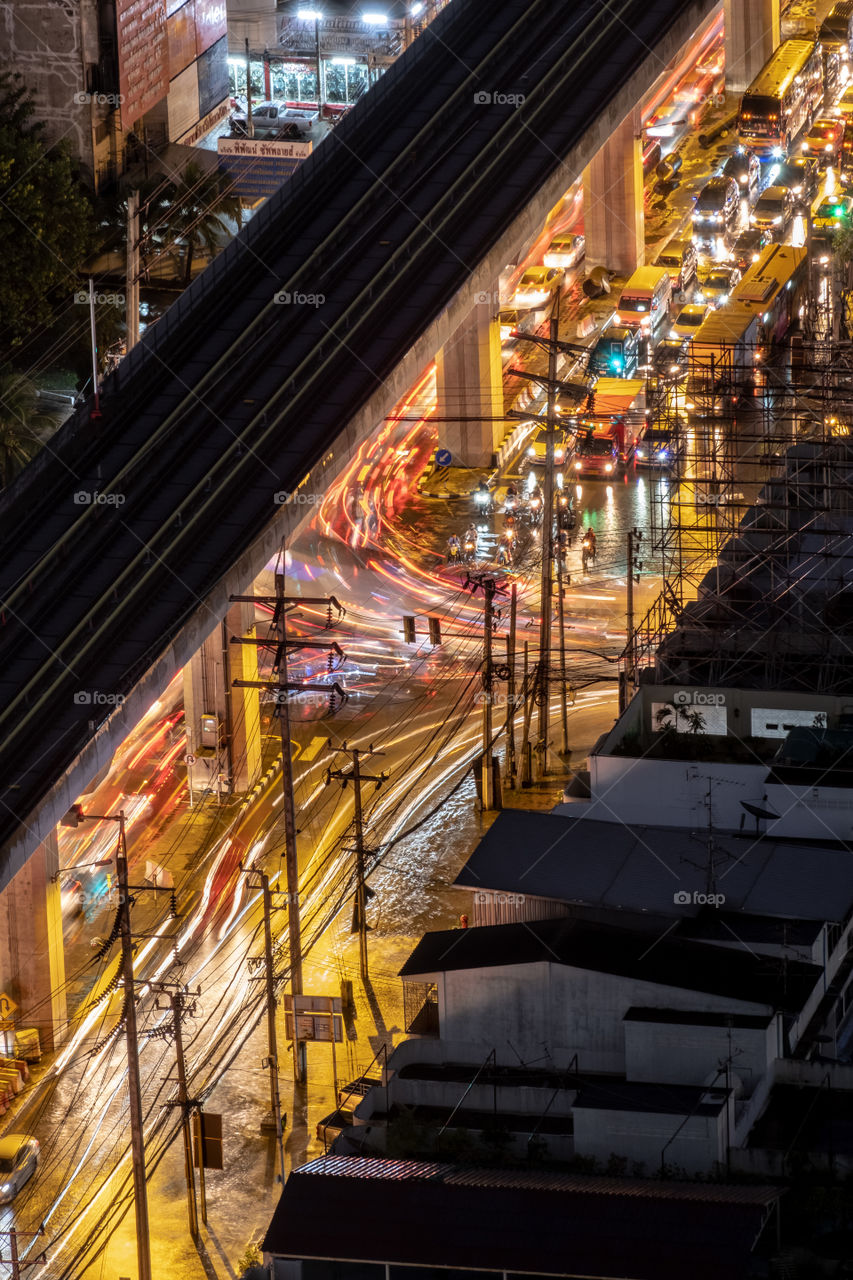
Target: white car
column 19, row 1156
column 565, row 251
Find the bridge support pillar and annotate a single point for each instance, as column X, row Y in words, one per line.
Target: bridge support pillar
column 32, row 954
column 752, row 33
column 223, row 724
column 469, row 381
column 613, row 201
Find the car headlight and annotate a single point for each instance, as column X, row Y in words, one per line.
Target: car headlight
column 640, row 453
column 6, row 1189
column 578, row 466
column 608, row 466
column 742, row 179
column 828, row 146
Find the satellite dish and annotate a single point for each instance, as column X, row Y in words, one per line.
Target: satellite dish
column 764, row 814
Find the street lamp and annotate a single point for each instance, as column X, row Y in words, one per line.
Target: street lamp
column 315, row 16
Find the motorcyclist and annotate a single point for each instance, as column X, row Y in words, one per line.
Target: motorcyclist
column 511, row 500
column 454, row 548
column 589, row 542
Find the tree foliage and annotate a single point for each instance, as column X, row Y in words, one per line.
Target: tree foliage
column 24, row 427
column 45, row 219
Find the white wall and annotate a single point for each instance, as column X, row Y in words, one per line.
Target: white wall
column 545, row 1013
column 700, row 1144
column 671, row 1053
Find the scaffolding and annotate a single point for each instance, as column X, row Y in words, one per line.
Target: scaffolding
column 753, row 523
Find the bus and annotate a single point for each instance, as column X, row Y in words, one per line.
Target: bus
column 774, row 289
column 782, row 98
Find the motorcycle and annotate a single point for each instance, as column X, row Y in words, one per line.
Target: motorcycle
column 454, row 552
column 469, row 550
column 534, row 511
column 483, row 501
column 588, row 551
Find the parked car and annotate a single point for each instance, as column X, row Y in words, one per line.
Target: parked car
column 617, row 352
column 745, row 167
column 716, row 283
column 747, row 248
column 273, row 120
column 799, row 175
column 823, row 140
column 716, row 208
column 565, row 251
column 19, row 1155
column 832, row 213
column 652, row 154
column 773, row 211
column 688, row 320
column 537, row 285
column 680, row 259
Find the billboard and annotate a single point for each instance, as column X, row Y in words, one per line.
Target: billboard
column 258, row 168
column 143, row 57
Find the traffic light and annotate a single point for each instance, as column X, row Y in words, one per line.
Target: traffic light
column 434, row 631
column 409, row 630
column 73, row 817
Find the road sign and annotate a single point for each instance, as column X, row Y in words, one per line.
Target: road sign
column 315, row 1026
column 7, row 1006
column 190, row 759
column 313, row 1004
column 443, row 457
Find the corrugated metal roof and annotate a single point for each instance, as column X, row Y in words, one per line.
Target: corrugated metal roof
column 536, row 1180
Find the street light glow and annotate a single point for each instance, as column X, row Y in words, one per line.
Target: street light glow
column 343, row 62
column 309, row 15
column 375, row 19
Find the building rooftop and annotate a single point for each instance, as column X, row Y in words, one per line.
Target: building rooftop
column 736, row 974
column 693, row 1018
column 658, row 869
column 516, row 1220
column 657, row 1099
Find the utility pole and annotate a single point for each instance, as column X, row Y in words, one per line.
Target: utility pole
column 490, row 786
column 510, row 705
column 634, row 537
column 362, row 892
column 132, row 272
column 14, row 1261
column 271, row 1060
column 282, row 687
column 547, row 544
column 137, row 1135
column 250, row 127
column 177, row 999
column 93, row 333
column 564, row 710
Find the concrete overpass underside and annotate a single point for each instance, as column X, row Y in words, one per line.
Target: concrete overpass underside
column 279, row 360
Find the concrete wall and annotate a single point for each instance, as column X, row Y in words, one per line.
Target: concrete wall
column 686, row 1054
column 547, row 1013
column 699, row 1146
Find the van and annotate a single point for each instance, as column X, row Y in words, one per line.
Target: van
column 681, row 260
column 715, row 208
column 646, row 298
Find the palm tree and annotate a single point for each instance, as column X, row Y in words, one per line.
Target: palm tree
column 24, row 427
column 199, row 204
